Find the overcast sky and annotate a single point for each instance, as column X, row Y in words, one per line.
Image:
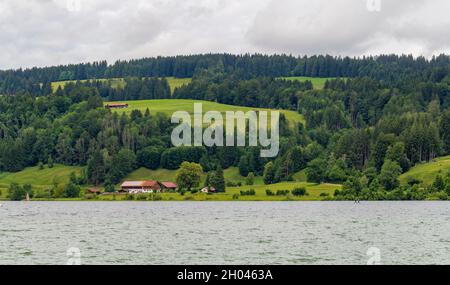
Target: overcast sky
column 51, row 32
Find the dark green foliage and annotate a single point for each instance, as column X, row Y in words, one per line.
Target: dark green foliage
column 19, row 193
column 269, row 173
column 299, row 191
column 173, row 157
column 316, row 171
column 250, row 192
column 250, row 179
column 217, row 180
column 71, row 190
column 444, row 129
column 149, row 157
column 121, row 164
column 389, row 175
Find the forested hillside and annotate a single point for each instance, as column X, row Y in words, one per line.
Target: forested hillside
column 388, row 114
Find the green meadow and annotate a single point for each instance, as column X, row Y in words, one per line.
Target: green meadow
column 315, row 192
column 317, row 82
column 427, row 172
column 231, row 175
column 169, row 106
column 38, row 178
column 45, row 178
column 120, row 82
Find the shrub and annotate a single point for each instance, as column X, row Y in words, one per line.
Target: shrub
column 129, row 197
column 250, row 192
column 269, row 192
column 250, row 180
column 16, row 192
column 157, row 197
column 235, row 196
column 71, row 191
column 231, row 184
column 50, row 162
column 141, row 197
column 299, row 191
column 89, row 196
column 282, row 192
column 323, row 194
column 413, row 181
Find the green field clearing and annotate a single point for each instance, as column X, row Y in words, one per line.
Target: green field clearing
column 427, row 172
column 230, row 174
column 317, row 82
column 314, row 193
column 120, row 82
column 39, row 178
column 314, row 190
column 169, row 106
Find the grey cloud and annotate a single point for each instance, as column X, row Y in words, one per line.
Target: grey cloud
column 347, row 27
column 46, row 32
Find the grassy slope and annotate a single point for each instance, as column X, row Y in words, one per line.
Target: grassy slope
column 39, row 178
column 169, row 106
column 427, row 172
column 120, row 82
column 317, row 82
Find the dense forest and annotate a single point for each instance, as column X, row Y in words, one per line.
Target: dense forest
column 377, row 118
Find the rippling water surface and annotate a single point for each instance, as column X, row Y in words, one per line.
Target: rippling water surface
column 225, row 232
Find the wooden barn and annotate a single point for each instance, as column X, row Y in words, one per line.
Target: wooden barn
column 169, row 186
column 148, row 186
column 116, row 106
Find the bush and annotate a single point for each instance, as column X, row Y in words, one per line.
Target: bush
column 323, row 194
column 16, row 192
column 250, row 192
column 283, row 192
column 413, row 181
column 43, row 194
column 40, row 165
column 155, row 197
column 71, row 191
column 129, row 197
column 299, row 191
column 193, row 191
column 50, row 162
column 250, row 180
column 269, row 192
column 235, row 196
column 231, row 184
column 89, row 196
column 141, row 197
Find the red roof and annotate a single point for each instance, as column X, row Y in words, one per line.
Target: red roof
column 117, row 105
column 169, row 184
column 149, row 183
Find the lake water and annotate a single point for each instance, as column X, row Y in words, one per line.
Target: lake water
column 225, row 232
